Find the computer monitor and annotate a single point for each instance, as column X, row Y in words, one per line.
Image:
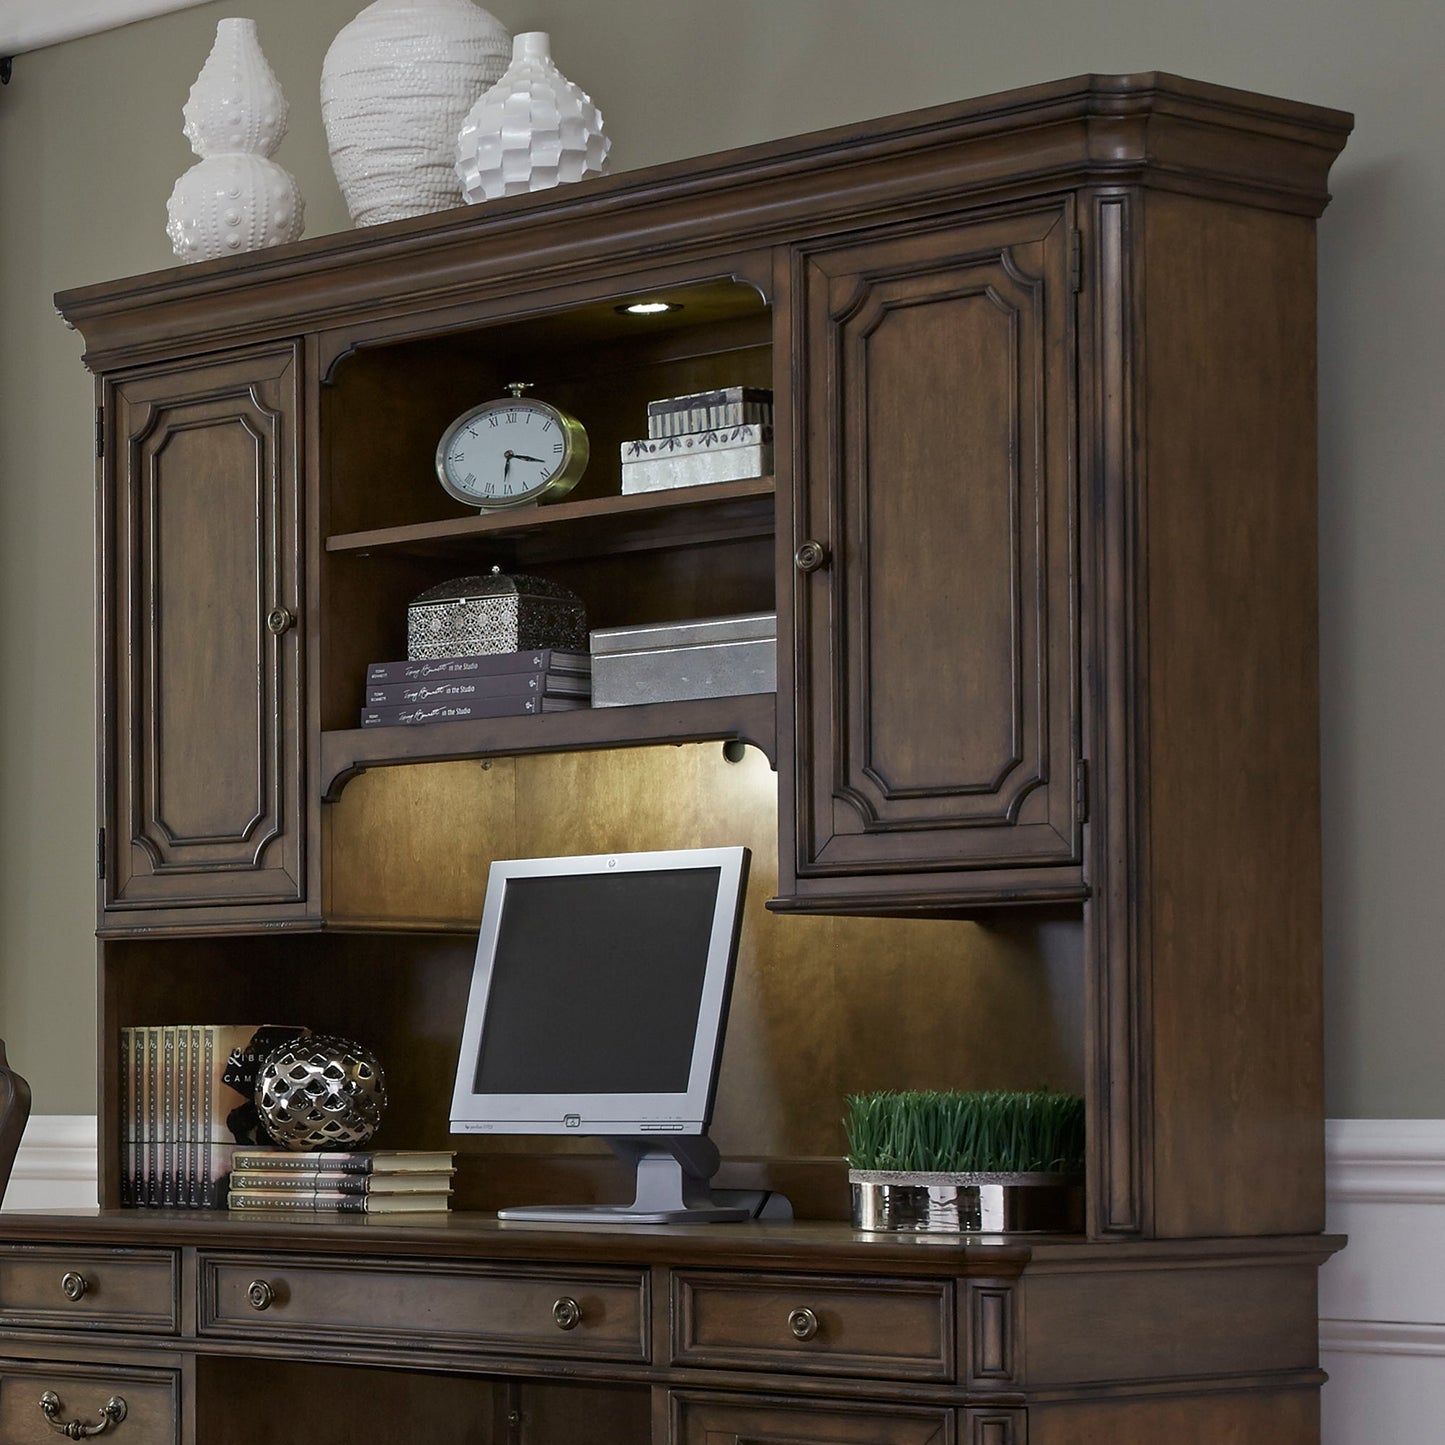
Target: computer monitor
column 598, row 1003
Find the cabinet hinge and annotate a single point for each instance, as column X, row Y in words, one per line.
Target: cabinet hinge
column 1081, row 790
column 1076, row 260
column 100, row 854
column 100, row 431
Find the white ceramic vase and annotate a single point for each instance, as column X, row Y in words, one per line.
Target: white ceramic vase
column 235, row 198
column 395, row 85
column 533, row 129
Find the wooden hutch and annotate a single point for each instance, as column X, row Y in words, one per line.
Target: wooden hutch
column 1036, row 800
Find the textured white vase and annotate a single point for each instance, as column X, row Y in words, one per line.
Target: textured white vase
column 533, row 129
column 395, row 85
column 235, row 198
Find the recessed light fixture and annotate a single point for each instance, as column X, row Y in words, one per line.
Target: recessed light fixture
column 648, row 308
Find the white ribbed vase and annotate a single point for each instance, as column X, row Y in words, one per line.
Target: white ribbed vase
column 235, row 198
column 395, row 85
column 533, row 129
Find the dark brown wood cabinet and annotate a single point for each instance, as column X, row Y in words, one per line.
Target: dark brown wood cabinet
column 1036, row 799
column 203, row 737
column 937, row 724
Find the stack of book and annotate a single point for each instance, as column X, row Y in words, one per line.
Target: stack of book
column 187, row 1099
column 370, row 1181
column 501, row 684
column 708, row 436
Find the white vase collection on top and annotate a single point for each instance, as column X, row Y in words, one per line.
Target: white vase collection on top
column 532, row 130
column 235, row 198
column 395, row 86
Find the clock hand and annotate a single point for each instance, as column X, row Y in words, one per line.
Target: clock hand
column 522, row 457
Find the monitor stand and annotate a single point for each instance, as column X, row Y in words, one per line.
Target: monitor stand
column 673, row 1178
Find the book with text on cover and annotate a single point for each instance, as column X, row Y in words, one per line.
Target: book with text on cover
column 324, row 1200
column 301, row 1181
column 360, row 1161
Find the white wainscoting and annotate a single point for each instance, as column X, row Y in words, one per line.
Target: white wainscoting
column 55, row 1168
column 1382, row 1298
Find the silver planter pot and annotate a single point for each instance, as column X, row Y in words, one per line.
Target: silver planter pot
column 914, row 1203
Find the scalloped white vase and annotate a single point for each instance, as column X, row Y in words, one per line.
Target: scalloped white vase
column 395, row 85
column 235, row 198
column 532, row 130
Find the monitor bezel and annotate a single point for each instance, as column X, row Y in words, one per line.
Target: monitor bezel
column 616, row 1114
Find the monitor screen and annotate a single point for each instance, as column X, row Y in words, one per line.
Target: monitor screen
column 600, row 993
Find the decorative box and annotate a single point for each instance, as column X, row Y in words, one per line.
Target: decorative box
column 501, row 612
column 725, row 454
column 670, row 661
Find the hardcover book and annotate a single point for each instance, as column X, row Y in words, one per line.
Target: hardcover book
column 447, row 669
column 360, row 1161
column 418, row 714
column 341, row 1181
column 334, row 1200
column 502, row 684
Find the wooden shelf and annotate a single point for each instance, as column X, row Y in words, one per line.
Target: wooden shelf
column 749, row 718
column 596, row 526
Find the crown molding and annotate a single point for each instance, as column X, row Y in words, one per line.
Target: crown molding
column 31, row 24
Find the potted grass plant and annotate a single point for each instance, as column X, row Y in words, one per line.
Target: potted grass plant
column 992, row 1161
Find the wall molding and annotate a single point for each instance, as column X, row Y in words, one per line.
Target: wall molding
column 55, row 1167
column 1385, row 1161
column 32, row 24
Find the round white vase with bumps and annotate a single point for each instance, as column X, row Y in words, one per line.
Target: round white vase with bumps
column 395, row 85
column 532, row 130
column 235, row 198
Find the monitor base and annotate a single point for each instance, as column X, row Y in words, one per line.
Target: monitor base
column 672, row 1188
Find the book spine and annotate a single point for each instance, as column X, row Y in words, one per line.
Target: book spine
column 252, row 1160
column 153, row 1117
column 127, row 1119
column 312, row 1200
column 508, row 684
column 184, row 1126
column 207, row 1074
column 486, row 707
column 168, row 1117
column 337, row 1180
column 443, row 669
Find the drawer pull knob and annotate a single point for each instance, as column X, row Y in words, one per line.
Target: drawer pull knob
column 111, row 1413
column 260, row 1294
column 811, row 556
column 73, row 1286
column 803, row 1323
column 280, row 619
column 567, row 1313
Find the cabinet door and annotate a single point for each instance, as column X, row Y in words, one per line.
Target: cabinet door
column 702, row 1419
column 934, row 620
column 202, row 660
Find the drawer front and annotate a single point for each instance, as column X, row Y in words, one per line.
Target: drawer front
column 701, row 1419
column 129, row 1289
column 587, row 1313
column 39, row 1400
column 896, row 1328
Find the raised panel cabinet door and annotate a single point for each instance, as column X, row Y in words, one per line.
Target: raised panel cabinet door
column 934, row 574
column 698, row 1418
column 202, row 661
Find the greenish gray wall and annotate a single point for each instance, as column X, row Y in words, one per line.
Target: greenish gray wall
column 90, row 145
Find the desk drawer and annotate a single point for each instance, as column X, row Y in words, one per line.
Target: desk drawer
column 128, row 1289
column 821, row 1324
column 587, row 1313
column 134, row 1407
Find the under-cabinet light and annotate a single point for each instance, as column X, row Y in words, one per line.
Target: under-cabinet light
column 648, row 308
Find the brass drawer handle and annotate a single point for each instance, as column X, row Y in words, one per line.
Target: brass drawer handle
column 111, row 1413
column 811, row 556
column 260, row 1294
column 73, row 1286
column 567, row 1313
column 280, row 619
column 803, row 1323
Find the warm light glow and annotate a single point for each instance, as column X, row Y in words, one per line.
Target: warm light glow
column 649, row 308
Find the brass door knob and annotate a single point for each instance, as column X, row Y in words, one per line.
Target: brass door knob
column 803, row 1323
column 260, row 1294
column 567, row 1313
column 810, row 556
column 73, row 1286
column 280, row 619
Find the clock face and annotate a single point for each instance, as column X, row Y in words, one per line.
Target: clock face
column 510, row 452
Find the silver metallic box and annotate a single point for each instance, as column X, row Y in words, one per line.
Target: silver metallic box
column 670, row 661
column 478, row 616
